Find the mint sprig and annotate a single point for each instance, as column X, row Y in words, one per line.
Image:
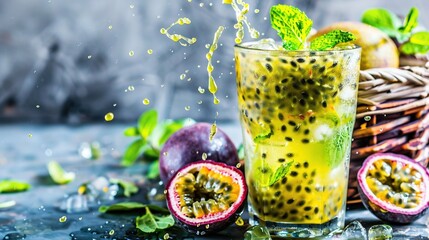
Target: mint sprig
column 331, row 39
column 280, row 173
column 293, row 26
column 410, row 38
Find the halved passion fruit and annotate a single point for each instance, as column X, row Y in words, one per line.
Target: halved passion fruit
column 394, row 187
column 206, row 195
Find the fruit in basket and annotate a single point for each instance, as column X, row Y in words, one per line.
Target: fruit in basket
column 378, row 49
column 394, row 187
column 206, row 195
column 193, row 143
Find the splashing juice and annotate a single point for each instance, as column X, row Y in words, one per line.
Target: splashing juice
column 297, row 111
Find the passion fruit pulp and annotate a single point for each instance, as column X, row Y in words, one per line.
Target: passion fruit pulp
column 394, row 187
column 206, row 196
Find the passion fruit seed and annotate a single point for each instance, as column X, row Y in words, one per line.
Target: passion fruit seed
column 394, row 187
column 204, row 193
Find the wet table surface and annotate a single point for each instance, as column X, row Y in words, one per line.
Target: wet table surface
column 25, row 149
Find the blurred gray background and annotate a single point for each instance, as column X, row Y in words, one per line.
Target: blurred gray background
column 69, row 61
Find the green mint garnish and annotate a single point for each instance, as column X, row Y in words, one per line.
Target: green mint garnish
column 292, row 25
column 418, row 43
column 280, row 173
column 331, row 39
column 337, row 144
column 263, row 136
column 11, row 186
column 127, row 188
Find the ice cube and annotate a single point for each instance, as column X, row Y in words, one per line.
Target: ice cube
column 347, row 93
column 322, row 132
column 257, row 233
column 354, row 231
column 380, row 232
column 264, row 44
column 74, row 203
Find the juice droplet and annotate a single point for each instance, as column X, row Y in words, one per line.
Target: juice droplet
column 201, row 90
column 131, row 6
column 146, row 101
column 131, row 53
column 204, row 156
column 187, row 108
column 367, row 118
column 207, row 46
column 111, row 232
column 182, row 40
column 130, row 88
column 239, row 221
column 37, row 106
column 166, row 236
column 89, row 56
column 212, row 84
column 201, row 4
column 207, row 226
column 109, row 117
column 182, row 76
column 30, row 135
column 110, row 27
column 238, row 165
column 149, row 51
column 256, row 11
column 62, row 219
column 200, row 102
column 213, row 131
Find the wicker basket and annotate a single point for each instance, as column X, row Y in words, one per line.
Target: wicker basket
column 391, row 117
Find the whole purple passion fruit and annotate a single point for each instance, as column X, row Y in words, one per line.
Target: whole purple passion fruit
column 394, row 187
column 206, row 196
column 193, row 143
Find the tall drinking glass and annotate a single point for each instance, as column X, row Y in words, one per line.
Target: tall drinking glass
column 297, row 111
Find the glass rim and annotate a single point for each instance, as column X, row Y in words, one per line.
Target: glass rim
column 242, row 46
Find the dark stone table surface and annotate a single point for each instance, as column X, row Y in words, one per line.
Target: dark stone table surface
column 25, row 149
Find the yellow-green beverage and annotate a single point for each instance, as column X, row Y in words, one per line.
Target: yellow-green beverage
column 297, row 110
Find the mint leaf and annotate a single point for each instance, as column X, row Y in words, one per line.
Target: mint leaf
column 337, row 144
column 263, row 136
column 7, row 204
column 421, row 38
column 130, row 206
column 58, row 174
column 292, row 25
column 382, row 19
column 131, row 132
column 149, row 222
column 153, row 171
column 12, row 186
column 331, row 39
column 410, row 22
column 133, row 151
column 410, row 48
column 280, row 173
column 147, row 122
column 128, row 188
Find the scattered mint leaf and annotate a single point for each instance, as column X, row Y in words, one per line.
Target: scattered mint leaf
column 128, row 188
column 410, row 22
column 153, row 171
column 382, row 19
column 7, row 204
column 331, row 39
column 263, row 136
column 122, row 207
column 131, row 206
column 12, row 186
column 147, row 123
column 131, row 132
column 133, row 151
column 58, row 174
column 292, row 25
column 280, row 173
column 149, row 222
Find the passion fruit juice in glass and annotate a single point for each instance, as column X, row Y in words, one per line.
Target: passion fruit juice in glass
column 297, row 111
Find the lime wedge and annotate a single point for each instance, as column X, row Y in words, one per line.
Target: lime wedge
column 58, row 174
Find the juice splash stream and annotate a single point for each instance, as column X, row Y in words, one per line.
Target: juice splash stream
column 184, row 41
column 209, row 56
